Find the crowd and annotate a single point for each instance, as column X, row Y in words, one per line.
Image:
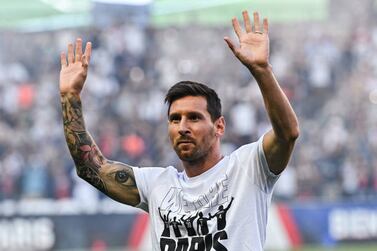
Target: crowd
column 327, row 71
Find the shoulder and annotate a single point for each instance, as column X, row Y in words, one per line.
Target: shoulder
column 151, row 173
column 247, row 150
column 251, row 154
column 150, row 179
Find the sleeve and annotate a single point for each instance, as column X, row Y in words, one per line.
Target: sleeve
column 145, row 178
column 252, row 159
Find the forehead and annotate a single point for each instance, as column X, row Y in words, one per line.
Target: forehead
column 189, row 104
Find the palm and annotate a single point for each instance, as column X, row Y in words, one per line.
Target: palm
column 72, row 77
column 73, row 73
column 253, row 50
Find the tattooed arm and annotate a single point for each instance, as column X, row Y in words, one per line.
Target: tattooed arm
column 115, row 179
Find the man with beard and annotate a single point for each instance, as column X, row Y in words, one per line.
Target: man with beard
column 241, row 181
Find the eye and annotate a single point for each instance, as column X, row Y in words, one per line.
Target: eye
column 121, row 176
column 194, row 117
column 174, row 118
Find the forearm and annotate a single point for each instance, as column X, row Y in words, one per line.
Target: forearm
column 283, row 118
column 115, row 179
column 85, row 153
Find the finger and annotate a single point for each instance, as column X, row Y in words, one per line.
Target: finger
column 256, row 22
column 84, row 61
column 70, row 53
column 237, row 27
column 246, row 20
column 78, row 52
column 88, row 52
column 265, row 25
column 231, row 45
column 63, row 60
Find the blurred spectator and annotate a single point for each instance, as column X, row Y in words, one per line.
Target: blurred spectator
column 328, row 71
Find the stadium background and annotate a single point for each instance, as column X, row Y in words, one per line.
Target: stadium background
column 323, row 53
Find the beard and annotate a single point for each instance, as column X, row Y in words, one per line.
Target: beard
column 189, row 152
column 192, row 151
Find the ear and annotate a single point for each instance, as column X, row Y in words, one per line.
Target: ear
column 220, row 126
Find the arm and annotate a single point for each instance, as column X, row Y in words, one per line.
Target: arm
column 253, row 52
column 112, row 178
column 168, row 214
column 159, row 212
column 231, row 201
column 196, row 215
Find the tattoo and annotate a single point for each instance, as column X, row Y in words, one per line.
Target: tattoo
column 123, row 175
column 85, row 153
column 112, row 178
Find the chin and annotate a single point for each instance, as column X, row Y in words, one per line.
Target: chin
column 190, row 157
column 185, row 157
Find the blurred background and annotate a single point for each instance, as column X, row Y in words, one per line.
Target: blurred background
column 323, row 52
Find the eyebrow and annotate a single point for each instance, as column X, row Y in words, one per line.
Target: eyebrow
column 199, row 114
column 176, row 114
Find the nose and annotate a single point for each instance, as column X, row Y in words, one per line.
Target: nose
column 183, row 127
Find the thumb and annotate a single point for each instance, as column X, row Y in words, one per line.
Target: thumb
column 231, row 45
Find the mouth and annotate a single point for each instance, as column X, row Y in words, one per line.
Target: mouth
column 184, row 142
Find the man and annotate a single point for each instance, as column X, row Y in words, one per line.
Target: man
column 241, row 182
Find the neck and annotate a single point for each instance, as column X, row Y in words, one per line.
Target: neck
column 197, row 167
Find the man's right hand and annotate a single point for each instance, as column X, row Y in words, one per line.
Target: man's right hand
column 73, row 73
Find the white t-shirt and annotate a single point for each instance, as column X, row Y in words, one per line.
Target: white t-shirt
column 224, row 208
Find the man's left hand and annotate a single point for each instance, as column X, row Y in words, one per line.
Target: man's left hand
column 253, row 49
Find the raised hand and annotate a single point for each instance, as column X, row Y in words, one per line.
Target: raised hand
column 253, row 49
column 73, row 73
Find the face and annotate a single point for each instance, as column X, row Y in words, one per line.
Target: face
column 191, row 131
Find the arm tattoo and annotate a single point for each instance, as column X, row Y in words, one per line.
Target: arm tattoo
column 112, row 178
column 122, row 175
column 85, row 153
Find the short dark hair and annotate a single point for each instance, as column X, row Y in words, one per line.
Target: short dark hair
column 190, row 88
